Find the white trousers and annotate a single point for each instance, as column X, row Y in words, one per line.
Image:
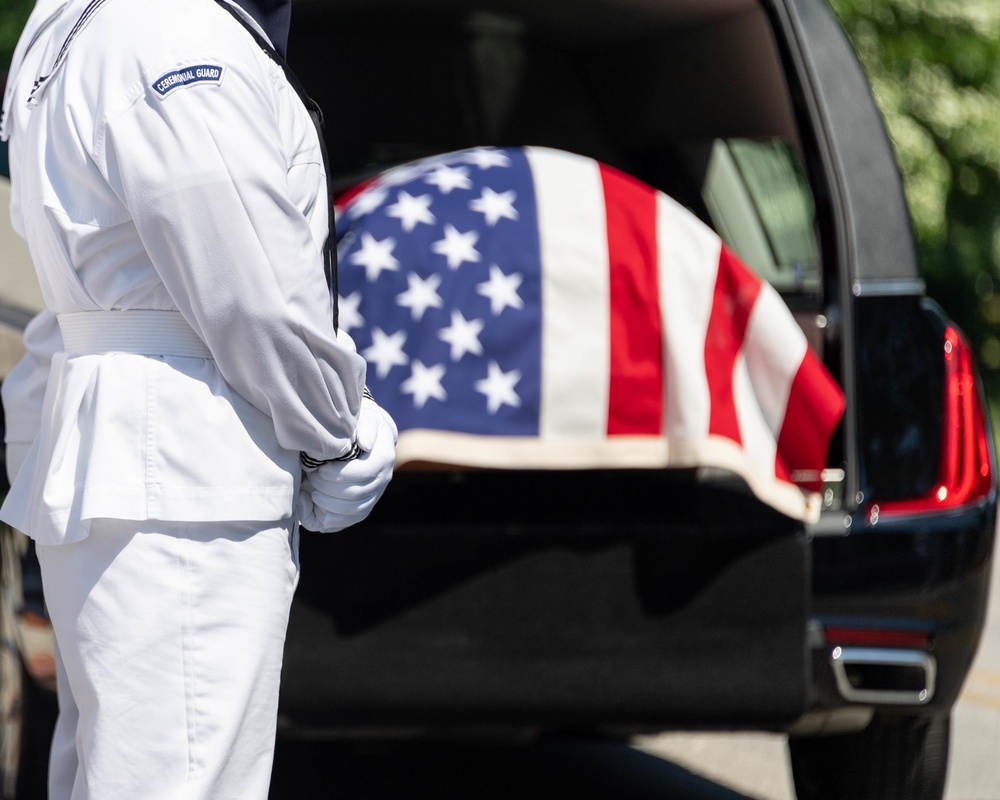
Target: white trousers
column 169, row 646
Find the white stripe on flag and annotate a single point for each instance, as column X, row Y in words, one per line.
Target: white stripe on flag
column 689, row 264
column 575, row 316
column 759, row 445
column 773, row 347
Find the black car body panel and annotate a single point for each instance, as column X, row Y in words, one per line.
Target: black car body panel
column 528, row 601
column 874, row 228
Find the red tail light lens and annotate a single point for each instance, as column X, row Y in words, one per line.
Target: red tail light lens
column 966, row 474
column 848, row 636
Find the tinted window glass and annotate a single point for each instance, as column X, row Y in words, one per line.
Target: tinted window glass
column 761, row 205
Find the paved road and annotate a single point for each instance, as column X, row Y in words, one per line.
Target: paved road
column 757, row 765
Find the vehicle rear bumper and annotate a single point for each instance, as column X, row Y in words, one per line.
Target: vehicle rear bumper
column 928, row 577
column 522, row 622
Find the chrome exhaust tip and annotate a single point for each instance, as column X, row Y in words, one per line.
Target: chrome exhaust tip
column 884, row 675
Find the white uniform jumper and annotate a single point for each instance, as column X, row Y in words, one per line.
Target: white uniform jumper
column 169, row 184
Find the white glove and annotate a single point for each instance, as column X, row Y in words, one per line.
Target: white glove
column 342, row 493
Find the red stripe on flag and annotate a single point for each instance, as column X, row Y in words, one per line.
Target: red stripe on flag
column 342, row 200
column 635, row 392
column 815, row 406
column 736, row 292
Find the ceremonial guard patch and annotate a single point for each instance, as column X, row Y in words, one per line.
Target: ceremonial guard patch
column 187, row 76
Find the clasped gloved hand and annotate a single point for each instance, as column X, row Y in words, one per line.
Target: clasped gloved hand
column 339, row 494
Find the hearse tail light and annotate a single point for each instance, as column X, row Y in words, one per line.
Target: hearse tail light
column 856, row 636
column 965, row 474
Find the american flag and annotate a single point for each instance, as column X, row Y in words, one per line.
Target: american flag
column 527, row 307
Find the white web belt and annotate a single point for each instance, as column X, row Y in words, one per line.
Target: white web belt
column 149, row 333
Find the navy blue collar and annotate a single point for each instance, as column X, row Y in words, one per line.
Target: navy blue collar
column 273, row 16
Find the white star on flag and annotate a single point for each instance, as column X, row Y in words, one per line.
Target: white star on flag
column 348, row 314
column 412, row 210
column 457, row 247
column 462, row 335
column 498, row 386
column 447, row 178
column 494, row 205
column 375, row 256
column 420, row 295
column 366, row 202
column 386, row 351
column 501, row 290
column 404, row 173
column 484, row 158
column 424, row 383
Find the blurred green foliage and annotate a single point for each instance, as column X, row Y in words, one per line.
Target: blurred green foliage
column 934, row 66
column 13, row 15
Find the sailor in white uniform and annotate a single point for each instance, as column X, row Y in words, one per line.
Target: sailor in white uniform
column 170, row 186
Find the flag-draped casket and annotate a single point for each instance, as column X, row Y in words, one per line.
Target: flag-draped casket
column 532, row 308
